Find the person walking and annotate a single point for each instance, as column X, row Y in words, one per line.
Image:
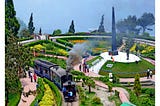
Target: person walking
column 35, row 77
column 150, row 74
column 31, row 76
column 80, row 67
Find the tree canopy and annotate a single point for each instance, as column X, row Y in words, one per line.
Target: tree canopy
column 147, row 19
column 71, row 28
column 11, row 23
column 31, row 27
column 17, row 57
column 132, row 24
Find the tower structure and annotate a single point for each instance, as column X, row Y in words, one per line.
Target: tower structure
column 114, row 48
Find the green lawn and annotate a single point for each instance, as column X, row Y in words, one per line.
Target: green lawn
column 92, row 60
column 127, row 69
column 89, row 100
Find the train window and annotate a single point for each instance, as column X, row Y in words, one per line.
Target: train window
column 53, row 75
column 36, row 67
column 46, row 71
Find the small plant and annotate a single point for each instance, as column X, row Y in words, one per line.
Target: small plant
column 96, row 100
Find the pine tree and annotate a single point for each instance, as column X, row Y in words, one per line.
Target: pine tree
column 137, row 85
column 11, row 23
column 40, row 31
column 31, row 28
column 71, row 28
column 17, row 57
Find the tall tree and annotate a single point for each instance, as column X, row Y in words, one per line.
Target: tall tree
column 71, row 28
column 40, row 31
column 31, row 27
column 16, row 56
column 128, row 25
column 57, row 32
column 101, row 27
column 137, row 85
column 11, row 23
column 147, row 19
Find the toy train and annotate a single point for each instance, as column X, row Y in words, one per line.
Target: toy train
column 59, row 76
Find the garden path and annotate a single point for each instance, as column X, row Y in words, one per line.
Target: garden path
column 27, row 85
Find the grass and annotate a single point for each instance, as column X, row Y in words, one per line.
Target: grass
column 92, row 60
column 116, row 99
column 89, row 100
column 127, row 69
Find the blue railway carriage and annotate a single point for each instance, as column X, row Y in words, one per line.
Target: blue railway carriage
column 58, row 75
column 52, row 72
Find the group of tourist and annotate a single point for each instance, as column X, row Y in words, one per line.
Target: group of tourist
column 32, row 76
column 149, row 73
column 84, row 68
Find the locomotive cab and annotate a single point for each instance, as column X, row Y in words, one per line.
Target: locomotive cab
column 69, row 91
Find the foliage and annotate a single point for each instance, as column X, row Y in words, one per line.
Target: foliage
column 24, row 33
column 77, row 73
column 66, row 43
column 40, row 91
column 144, row 49
column 96, row 100
column 104, row 79
column 94, row 59
column 110, row 86
column 90, row 83
column 147, row 19
column 38, row 47
column 126, row 69
column 71, row 28
column 137, row 85
column 86, row 98
column 57, row 95
column 17, row 57
column 40, row 31
column 57, row 32
column 48, row 98
column 115, row 98
column 14, row 99
column 127, row 25
column 31, row 27
column 142, row 100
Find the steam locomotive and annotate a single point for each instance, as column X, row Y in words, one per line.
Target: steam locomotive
column 62, row 79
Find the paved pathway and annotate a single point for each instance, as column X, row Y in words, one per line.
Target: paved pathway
column 27, row 85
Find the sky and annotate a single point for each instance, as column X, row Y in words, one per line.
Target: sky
column 58, row 14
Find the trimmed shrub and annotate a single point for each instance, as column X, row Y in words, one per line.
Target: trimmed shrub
column 40, row 91
column 56, row 91
column 96, row 100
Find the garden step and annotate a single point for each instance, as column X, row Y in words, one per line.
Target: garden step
column 151, row 83
column 146, row 81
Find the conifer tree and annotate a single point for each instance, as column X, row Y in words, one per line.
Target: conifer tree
column 40, row 31
column 11, row 23
column 137, row 85
column 31, row 27
column 71, row 28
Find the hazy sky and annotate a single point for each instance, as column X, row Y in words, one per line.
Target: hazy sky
column 58, row 14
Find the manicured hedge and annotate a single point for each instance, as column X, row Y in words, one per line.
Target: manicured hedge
column 64, row 42
column 56, row 91
column 40, row 91
column 14, row 99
